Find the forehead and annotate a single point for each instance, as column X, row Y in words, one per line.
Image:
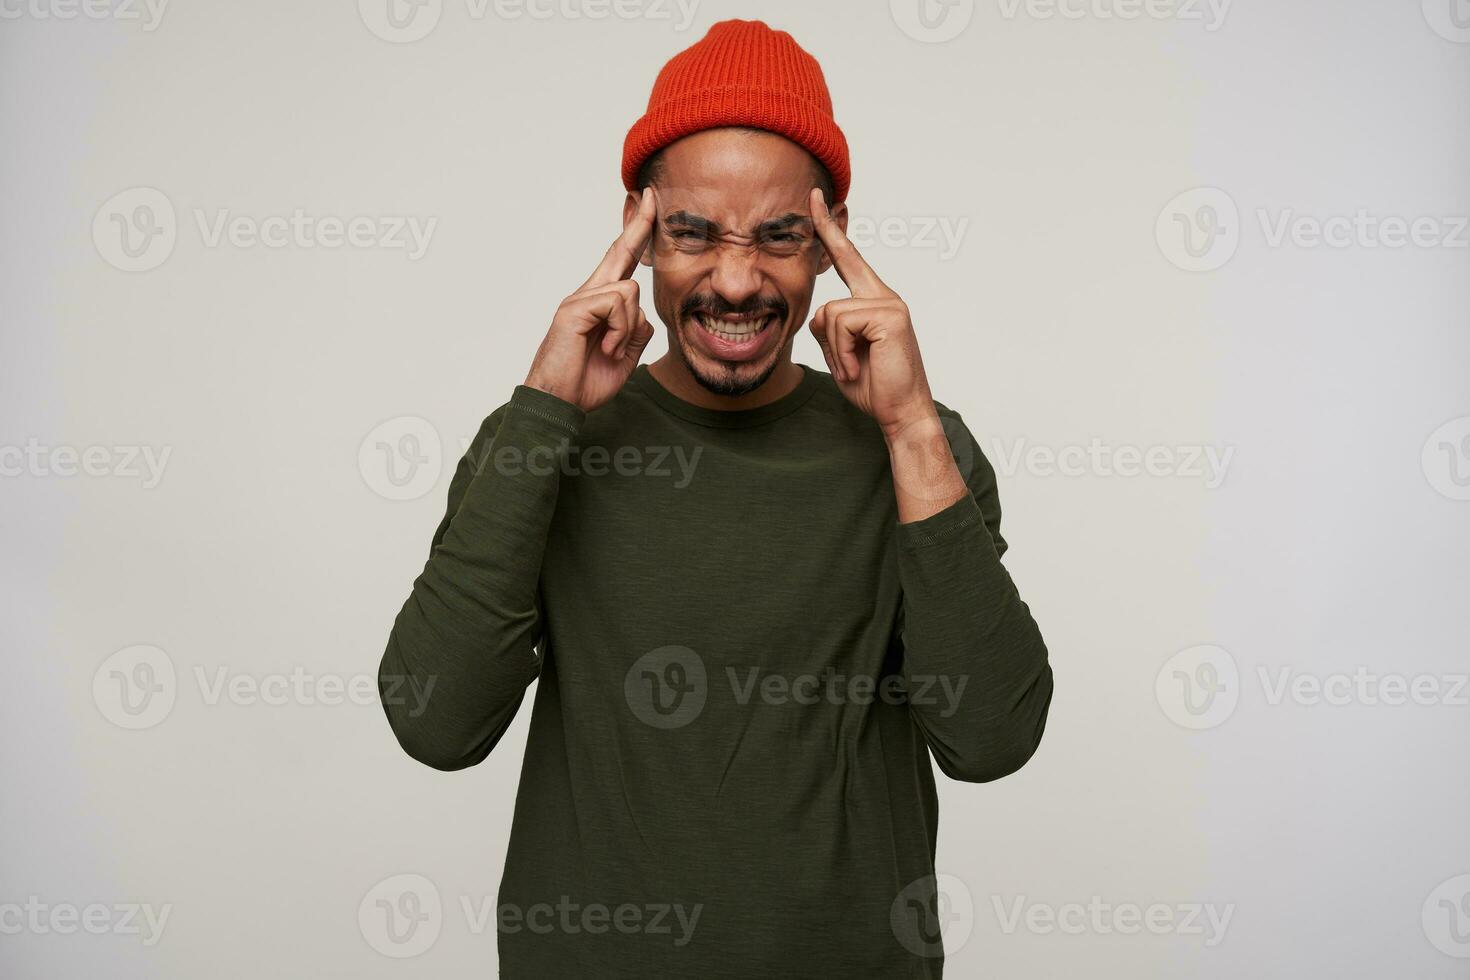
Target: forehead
column 736, row 178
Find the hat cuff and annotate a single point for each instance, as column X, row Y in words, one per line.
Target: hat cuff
column 775, row 110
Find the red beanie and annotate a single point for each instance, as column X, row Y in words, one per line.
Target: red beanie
column 741, row 73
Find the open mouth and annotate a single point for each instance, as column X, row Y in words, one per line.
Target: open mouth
column 735, row 329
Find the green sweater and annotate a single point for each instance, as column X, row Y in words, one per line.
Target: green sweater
column 745, row 662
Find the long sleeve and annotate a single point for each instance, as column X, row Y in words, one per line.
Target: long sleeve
column 963, row 622
column 464, row 642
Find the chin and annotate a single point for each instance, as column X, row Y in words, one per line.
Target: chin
column 728, row 378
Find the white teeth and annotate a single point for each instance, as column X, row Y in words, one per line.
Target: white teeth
column 732, row 331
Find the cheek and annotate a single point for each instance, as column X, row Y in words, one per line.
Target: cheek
column 796, row 286
column 668, row 291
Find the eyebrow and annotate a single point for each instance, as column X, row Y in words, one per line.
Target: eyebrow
column 695, row 222
column 788, row 220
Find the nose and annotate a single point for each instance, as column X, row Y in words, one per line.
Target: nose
column 735, row 276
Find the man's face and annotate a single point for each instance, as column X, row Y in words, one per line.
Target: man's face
column 733, row 252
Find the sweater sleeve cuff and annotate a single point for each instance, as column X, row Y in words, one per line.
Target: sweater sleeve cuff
column 959, row 517
column 537, row 404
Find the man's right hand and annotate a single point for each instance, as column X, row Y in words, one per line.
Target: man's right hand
column 599, row 332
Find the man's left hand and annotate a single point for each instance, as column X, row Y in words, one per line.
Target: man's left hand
column 868, row 340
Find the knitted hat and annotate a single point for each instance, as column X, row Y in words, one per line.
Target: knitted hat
column 741, row 73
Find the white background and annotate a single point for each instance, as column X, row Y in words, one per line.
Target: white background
column 1057, row 138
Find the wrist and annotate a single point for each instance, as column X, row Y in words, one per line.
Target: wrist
column 551, row 386
column 904, row 427
column 926, row 477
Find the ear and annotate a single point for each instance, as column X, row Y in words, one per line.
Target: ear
column 630, row 208
column 839, row 215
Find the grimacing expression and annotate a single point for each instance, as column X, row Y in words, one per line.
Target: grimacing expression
column 733, row 252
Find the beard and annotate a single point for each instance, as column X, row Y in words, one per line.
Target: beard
column 722, row 378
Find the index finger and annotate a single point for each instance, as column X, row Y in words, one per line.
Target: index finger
column 622, row 256
column 846, row 259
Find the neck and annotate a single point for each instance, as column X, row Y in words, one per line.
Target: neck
column 676, row 378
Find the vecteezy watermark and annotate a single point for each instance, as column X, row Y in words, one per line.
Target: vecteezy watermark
column 149, row 12
column 933, row 915
column 403, row 916
column 1101, row 918
column 660, row 462
column 40, row 918
column 1210, row 13
column 667, row 687
column 138, row 686
column 1445, row 917
column 301, row 687
column 1363, row 687
column 932, row 21
column 1362, row 229
column 400, row 21
column 1200, row 687
column 1207, row 464
column 674, row 920
column 941, row 234
column 1446, row 459
column 670, row 687
column 406, row 21
column 401, row 458
column 136, row 230
column 124, row 462
column 833, row 687
column 1450, row 19
column 1200, row 230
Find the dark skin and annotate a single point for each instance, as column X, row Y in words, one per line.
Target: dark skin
column 734, row 226
column 736, row 233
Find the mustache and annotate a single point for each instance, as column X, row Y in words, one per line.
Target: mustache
column 716, row 306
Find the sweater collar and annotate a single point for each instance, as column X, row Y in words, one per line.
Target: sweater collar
column 723, row 419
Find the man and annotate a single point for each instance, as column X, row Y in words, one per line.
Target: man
column 761, row 594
